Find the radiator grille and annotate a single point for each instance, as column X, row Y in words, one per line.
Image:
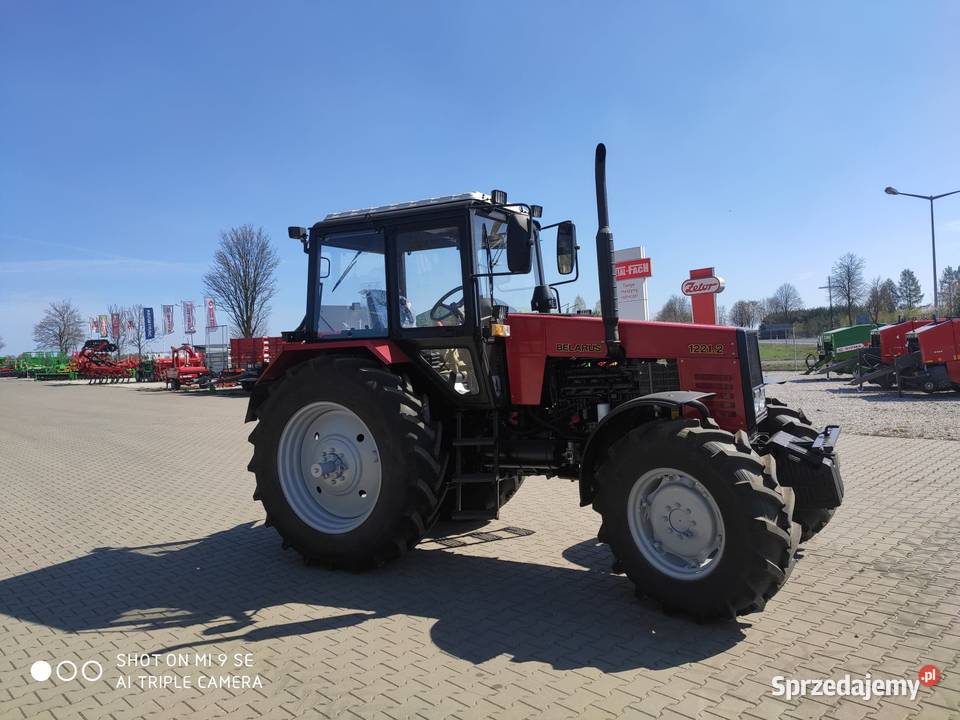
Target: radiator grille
column 722, row 385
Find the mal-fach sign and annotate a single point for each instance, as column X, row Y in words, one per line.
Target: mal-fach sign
column 633, row 269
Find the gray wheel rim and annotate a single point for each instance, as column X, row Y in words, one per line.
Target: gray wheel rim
column 329, row 467
column 676, row 523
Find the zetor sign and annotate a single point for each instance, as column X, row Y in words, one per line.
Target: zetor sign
column 702, row 286
column 630, row 269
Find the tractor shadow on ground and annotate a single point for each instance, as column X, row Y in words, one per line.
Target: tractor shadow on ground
column 217, row 588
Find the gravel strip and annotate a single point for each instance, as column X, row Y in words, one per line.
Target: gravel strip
column 870, row 412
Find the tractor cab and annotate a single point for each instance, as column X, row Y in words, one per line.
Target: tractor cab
column 438, row 277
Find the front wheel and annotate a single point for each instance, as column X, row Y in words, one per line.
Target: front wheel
column 696, row 519
column 782, row 417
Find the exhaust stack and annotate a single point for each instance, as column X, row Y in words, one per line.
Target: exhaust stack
column 605, row 268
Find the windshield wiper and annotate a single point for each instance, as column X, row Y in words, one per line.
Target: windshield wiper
column 347, row 269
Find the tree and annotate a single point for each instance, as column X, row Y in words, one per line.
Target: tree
column 847, row 280
column 2, row 344
column 723, row 317
column 242, row 278
column 743, row 313
column 785, row 301
column 579, row 304
column 60, row 328
column 909, row 290
column 881, row 298
column 676, row 309
column 891, row 291
column 949, row 292
column 138, row 337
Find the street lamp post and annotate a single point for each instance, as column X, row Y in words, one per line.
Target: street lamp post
column 933, row 236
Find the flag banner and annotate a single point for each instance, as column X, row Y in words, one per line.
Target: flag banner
column 130, row 326
column 211, row 313
column 189, row 320
column 167, row 319
column 102, row 323
column 149, row 332
column 94, row 325
column 115, row 325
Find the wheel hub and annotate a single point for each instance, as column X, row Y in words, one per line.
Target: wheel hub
column 676, row 523
column 329, row 467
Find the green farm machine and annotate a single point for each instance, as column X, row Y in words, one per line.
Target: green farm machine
column 838, row 351
column 45, row 366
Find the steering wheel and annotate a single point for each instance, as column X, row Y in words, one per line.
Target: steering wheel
column 442, row 310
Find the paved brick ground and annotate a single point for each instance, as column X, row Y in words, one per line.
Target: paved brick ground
column 127, row 527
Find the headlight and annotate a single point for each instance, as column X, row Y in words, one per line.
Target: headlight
column 759, row 402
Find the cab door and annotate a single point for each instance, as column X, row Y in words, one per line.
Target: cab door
column 436, row 321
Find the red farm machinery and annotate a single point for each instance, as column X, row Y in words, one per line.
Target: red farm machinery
column 913, row 355
column 432, row 373
column 186, row 368
column 249, row 357
column 97, row 362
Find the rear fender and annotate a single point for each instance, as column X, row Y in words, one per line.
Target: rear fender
column 291, row 355
column 629, row 415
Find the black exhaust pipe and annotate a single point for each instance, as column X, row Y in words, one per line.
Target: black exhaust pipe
column 605, row 268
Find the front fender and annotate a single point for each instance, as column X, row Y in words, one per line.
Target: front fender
column 626, row 416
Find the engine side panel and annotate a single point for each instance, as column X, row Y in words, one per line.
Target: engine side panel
column 706, row 355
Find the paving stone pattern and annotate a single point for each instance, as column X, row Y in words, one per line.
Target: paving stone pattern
column 128, row 528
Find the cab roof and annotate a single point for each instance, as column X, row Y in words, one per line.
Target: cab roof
column 364, row 213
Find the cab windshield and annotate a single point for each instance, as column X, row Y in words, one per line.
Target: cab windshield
column 490, row 250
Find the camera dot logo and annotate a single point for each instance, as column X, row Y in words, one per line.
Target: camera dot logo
column 40, row 670
column 929, row 675
column 66, row 671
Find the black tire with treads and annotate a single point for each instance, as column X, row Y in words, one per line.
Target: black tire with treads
column 760, row 538
column 794, row 421
column 407, row 441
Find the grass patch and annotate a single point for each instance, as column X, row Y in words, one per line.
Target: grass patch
column 785, row 356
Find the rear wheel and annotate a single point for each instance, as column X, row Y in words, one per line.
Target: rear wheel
column 783, row 417
column 696, row 519
column 346, row 461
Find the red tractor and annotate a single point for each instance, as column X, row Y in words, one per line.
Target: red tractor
column 432, row 373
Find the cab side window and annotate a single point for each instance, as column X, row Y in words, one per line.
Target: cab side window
column 431, row 292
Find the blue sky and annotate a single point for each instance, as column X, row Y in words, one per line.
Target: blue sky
column 753, row 136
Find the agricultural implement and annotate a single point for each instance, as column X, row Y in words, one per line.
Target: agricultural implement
column 417, row 388
column 95, row 362
column 933, row 361
column 838, row 351
column 187, row 368
column 878, row 364
column 8, row 366
column 41, row 365
column 249, row 357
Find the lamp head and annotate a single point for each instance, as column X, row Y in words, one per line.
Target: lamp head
column 891, row 190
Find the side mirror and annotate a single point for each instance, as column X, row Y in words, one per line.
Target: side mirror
column 519, row 250
column 297, row 233
column 323, row 272
column 566, row 247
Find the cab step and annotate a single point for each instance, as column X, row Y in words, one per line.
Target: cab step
column 473, row 478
